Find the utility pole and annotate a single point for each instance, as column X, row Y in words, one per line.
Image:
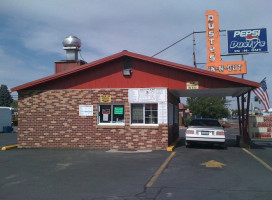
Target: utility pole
column 242, row 60
column 194, row 49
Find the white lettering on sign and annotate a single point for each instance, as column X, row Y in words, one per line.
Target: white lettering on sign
column 251, row 44
column 211, row 26
column 212, row 58
column 211, row 38
column 246, row 33
column 211, row 41
column 210, row 18
column 222, row 68
column 211, row 33
column 212, row 49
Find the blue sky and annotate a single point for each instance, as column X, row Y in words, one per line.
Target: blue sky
column 32, row 31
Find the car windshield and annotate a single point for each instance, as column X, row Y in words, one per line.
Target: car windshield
column 199, row 122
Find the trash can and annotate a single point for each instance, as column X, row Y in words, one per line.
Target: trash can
column 7, row 129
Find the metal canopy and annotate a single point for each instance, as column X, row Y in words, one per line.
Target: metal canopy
column 233, row 92
column 238, row 92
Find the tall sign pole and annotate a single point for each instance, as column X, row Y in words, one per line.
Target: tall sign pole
column 194, row 49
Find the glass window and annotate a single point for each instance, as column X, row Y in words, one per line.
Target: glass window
column 151, row 113
column 144, row 113
column 137, row 114
column 204, row 122
column 118, row 114
column 111, row 113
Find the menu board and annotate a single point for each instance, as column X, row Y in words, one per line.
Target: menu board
column 147, row 95
column 133, row 95
column 161, row 95
column 151, row 95
column 162, row 112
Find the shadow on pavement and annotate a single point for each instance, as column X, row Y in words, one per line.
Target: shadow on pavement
column 260, row 144
column 229, row 143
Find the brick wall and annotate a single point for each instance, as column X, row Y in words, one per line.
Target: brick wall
column 260, row 126
column 50, row 119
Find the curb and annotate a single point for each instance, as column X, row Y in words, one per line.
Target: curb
column 173, row 145
column 9, row 147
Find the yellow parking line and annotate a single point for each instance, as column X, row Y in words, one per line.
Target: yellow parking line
column 9, row 147
column 160, row 170
column 258, row 159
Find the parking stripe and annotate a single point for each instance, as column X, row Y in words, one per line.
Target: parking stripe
column 258, row 159
column 160, row 170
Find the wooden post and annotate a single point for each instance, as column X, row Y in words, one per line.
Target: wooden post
column 239, row 115
column 246, row 130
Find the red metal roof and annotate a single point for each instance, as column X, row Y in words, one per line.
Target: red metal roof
column 165, row 63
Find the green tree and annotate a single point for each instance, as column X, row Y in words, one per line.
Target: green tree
column 208, row 107
column 5, row 97
column 14, row 104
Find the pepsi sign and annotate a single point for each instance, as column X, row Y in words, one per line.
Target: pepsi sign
column 247, row 41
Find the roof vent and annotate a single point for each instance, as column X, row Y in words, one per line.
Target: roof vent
column 71, row 44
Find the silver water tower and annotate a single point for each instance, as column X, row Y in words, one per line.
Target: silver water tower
column 71, row 44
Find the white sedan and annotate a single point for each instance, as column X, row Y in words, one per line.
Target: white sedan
column 205, row 131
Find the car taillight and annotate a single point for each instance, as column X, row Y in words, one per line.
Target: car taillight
column 220, row 133
column 190, row 132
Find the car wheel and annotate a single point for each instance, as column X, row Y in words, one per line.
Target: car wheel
column 187, row 144
column 223, row 145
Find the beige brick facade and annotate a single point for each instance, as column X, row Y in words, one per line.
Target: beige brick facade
column 50, row 119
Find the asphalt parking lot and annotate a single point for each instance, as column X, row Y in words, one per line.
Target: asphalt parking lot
column 199, row 172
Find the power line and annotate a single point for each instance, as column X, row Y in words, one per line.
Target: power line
column 172, row 44
column 181, row 40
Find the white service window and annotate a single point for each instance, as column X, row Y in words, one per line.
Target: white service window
column 144, row 113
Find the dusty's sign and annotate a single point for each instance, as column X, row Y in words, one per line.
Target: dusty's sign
column 247, row 41
column 213, row 38
column 214, row 60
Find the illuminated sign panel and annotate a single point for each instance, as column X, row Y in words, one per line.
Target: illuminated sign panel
column 213, row 38
column 230, row 67
column 214, row 60
column 247, row 41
